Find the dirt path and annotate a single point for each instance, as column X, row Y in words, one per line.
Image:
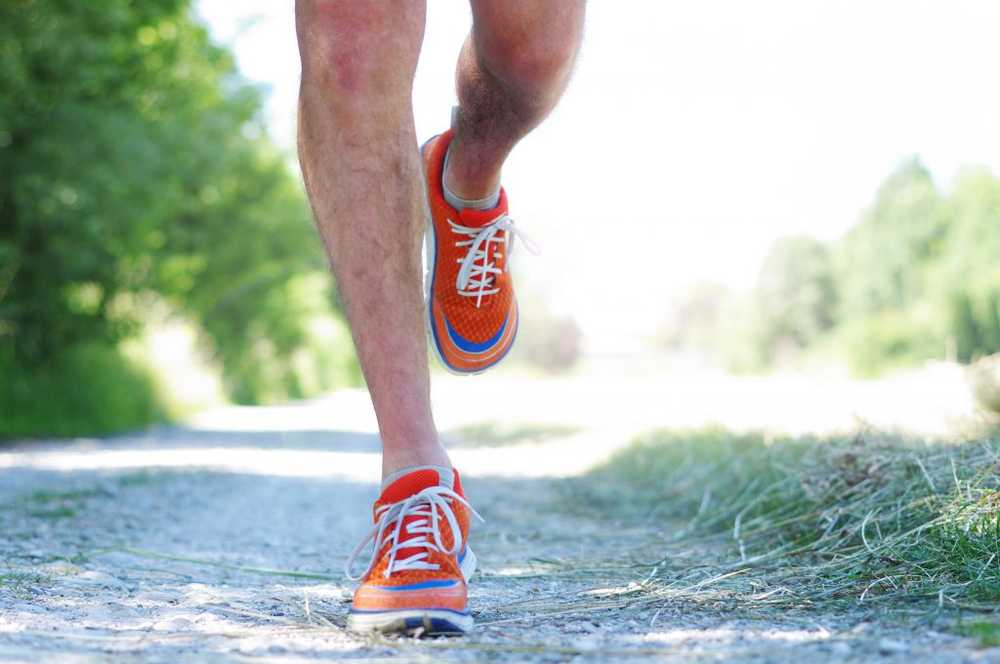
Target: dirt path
column 214, row 545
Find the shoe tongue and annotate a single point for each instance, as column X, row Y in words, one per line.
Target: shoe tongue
column 415, row 482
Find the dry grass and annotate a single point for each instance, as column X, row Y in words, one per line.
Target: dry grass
column 871, row 519
column 984, row 376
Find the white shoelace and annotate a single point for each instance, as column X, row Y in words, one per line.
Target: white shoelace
column 428, row 504
column 478, row 273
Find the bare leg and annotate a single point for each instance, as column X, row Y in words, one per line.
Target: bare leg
column 358, row 150
column 512, row 70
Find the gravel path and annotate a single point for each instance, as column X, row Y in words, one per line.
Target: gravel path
column 208, row 545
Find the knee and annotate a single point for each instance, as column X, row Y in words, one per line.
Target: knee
column 528, row 45
column 354, row 50
column 531, row 64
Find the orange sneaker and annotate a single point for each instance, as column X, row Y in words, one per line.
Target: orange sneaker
column 416, row 580
column 472, row 311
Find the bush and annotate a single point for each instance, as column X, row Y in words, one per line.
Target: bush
column 974, row 319
column 892, row 339
column 89, row 390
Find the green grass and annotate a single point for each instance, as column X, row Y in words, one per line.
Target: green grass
column 90, row 390
column 21, row 585
column 872, row 518
column 57, row 512
column 47, row 496
column 986, row 633
column 47, row 504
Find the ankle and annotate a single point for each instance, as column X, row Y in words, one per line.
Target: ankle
column 468, row 177
column 445, row 475
column 428, row 454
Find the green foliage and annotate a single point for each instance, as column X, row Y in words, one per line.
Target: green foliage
column 795, row 300
column 90, row 389
column 134, row 162
column 919, row 275
column 892, row 339
column 883, row 261
column 971, row 270
column 916, row 279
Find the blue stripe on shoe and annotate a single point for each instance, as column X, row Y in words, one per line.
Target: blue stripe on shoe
column 423, row 585
column 471, row 346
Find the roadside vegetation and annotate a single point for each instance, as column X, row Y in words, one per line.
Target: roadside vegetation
column 916, row 279
column 138, row 175
column 870, row 519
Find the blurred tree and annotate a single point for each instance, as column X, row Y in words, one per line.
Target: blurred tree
column 970, row 274
column 81, row 163
column 883, row 261
column 134, row 161
column 917, row 278
column 795, row 299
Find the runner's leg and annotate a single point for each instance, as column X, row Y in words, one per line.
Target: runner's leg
column 512, row 71
column 358, row 151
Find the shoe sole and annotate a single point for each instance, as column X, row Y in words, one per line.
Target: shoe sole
column 418, row 622
column 430, row 256
column 412, row 622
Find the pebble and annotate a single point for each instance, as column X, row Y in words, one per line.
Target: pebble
column 587, row 643
column 95, row 578
column 173, row 625
column 891, row 646
column 840, row 648
column 156, row 596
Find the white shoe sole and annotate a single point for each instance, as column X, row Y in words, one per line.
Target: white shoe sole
column 422, row 622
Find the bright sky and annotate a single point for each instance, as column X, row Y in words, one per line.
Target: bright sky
column 694, row 134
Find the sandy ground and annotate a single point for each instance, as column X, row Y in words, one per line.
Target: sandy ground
column 224, row 541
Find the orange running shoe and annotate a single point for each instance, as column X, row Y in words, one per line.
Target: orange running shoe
column 472, row 311
column 416, row 580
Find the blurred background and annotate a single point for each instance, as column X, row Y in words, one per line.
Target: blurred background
column 784, row 187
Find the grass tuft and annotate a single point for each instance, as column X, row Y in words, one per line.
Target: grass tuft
column 987, row 634
column 869, row 518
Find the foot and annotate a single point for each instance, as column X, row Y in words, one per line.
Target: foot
column 472, row 311
column 421, row 562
